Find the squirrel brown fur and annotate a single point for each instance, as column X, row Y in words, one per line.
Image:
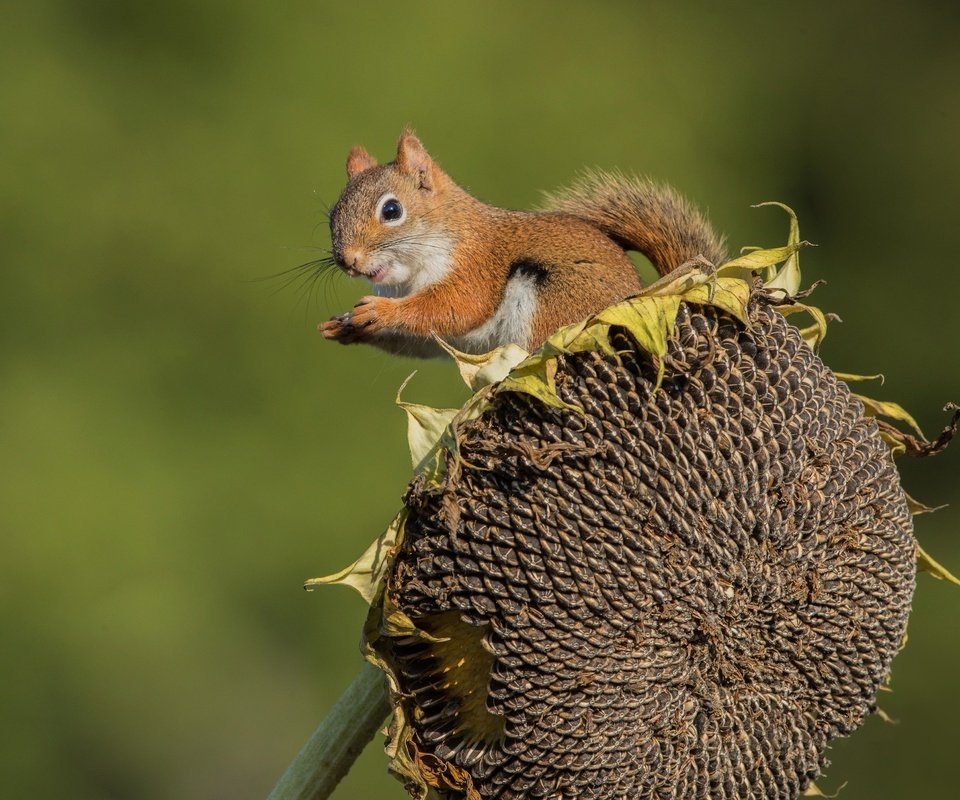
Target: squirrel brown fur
column 445, row 264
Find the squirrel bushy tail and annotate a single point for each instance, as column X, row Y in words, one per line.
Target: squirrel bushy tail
column 641, row 215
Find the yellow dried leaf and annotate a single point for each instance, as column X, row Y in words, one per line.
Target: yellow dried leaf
column 425, row 428
column 926, row 563
column 897, row 447
column 787, row 277
column 885, row 716
column 816, row 333
column 561, row 340
column 815, row 791
column 682, row 279
column 649, row 320
column 482, row 370
column 729, row 294
column 366, row 573
column 395, row 624
column 916, row 507
column 850, row 377
column 595, row 338
column 536, row 377
column 881, row 408
column 759, row 260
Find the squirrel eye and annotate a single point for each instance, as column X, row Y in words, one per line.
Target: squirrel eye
column 391, row 210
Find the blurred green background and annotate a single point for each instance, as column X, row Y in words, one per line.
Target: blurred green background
column 181, row 449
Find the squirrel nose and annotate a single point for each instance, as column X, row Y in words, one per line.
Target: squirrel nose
column 351, row 256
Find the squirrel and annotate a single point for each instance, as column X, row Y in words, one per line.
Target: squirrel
column 443, row 263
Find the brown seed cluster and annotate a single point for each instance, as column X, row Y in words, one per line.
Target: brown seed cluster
column 684, row 592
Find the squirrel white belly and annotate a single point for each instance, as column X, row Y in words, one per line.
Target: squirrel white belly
column 477, row 276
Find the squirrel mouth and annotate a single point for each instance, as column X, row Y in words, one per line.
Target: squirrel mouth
column 377, row 275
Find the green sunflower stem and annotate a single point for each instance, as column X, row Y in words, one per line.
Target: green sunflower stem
column 330, row 752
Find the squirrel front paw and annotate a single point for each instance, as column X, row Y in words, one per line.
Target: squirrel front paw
column 355, row 326
column 368, row 315
column 340, row 329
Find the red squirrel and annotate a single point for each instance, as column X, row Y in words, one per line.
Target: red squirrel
column 478, row 276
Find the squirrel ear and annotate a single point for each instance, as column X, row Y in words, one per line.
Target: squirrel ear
column 359, row 160
column 414, row 160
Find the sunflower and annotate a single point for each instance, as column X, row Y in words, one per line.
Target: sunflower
column 666, row 556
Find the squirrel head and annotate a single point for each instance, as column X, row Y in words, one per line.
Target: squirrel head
column 381, row 226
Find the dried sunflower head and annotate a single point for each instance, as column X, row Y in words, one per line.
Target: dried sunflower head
column 666, row 557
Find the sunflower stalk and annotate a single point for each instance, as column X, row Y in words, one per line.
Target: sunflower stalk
column 330, row 752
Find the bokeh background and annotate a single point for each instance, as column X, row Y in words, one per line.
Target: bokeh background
column 181, row 449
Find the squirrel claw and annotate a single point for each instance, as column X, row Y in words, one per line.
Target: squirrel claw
column 365, row 315
column 353, row 326
column 340, row 329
